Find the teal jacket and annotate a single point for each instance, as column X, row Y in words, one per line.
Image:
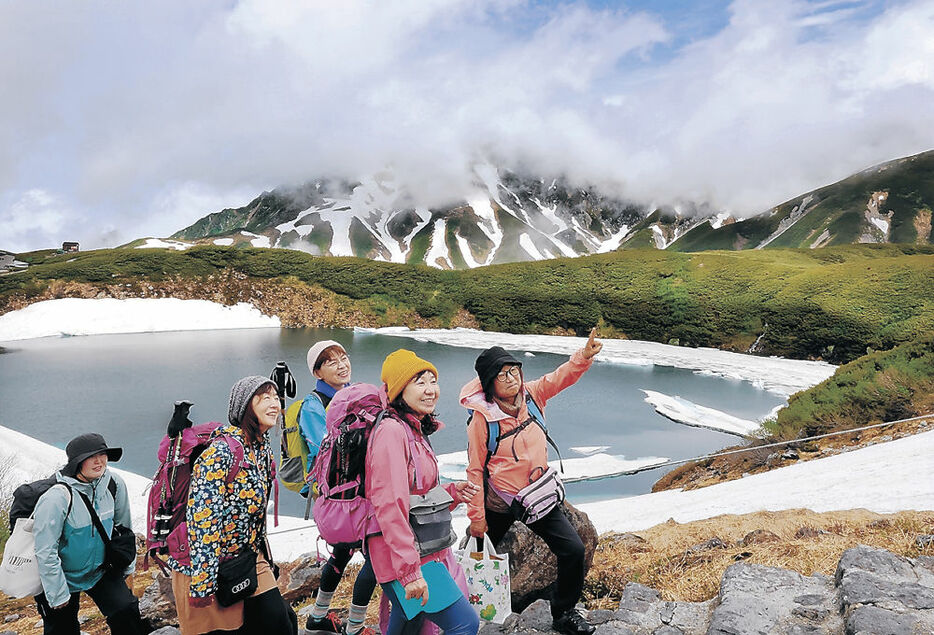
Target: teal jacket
column 69, row 551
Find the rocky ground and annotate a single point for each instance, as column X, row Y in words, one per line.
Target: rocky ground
column 769, row 572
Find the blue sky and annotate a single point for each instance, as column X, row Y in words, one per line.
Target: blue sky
column 127, row 120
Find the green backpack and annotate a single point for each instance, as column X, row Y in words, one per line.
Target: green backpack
column 293, row 465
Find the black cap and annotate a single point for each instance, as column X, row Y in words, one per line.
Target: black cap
column 488, row 365
column 84, row 447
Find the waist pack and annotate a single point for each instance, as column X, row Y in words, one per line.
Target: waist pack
column 536, row 499
column 236, row 578
column 430, row 517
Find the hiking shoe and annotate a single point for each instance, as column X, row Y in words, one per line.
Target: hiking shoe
column 572, row 623
column 330, row 623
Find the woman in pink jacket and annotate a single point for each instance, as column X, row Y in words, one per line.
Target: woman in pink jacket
column 400, row 463
column 500, row 400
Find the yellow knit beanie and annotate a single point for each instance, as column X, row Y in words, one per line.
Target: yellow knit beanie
column 400, row 367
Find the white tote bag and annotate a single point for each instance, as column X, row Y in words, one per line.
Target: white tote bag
column 19, row 572
column 489, row 590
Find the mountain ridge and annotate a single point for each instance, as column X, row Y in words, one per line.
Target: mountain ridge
column 508, row 217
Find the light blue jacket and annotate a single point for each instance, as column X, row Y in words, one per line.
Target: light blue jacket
column 69, row 551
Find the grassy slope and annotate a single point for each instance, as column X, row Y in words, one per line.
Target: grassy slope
column 832, row 303
column 880, row 386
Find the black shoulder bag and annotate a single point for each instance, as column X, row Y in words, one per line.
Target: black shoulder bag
column 119, row 547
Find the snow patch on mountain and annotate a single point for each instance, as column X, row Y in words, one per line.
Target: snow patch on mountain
column 439, row 249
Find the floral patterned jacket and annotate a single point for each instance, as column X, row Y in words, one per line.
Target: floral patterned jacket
column 224, row 519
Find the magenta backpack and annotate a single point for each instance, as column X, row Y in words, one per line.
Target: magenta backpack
column 342, row 513
column 166, row 528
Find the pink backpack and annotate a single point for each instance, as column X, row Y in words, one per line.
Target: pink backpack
column 342, row 513
column 166, row 528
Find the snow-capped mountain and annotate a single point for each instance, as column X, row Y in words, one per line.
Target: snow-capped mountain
column 503, row 218
column 507, row 217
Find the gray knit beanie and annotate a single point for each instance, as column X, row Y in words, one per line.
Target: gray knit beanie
column 240, row 396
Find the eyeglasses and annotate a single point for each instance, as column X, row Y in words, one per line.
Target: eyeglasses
column 331, row 364
column 503, row 375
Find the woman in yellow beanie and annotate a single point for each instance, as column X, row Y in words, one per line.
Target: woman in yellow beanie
column 402, row 470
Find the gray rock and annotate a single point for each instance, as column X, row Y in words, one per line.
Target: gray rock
column 881, row 590
column 600, row 616
column 300, row 579
column 489, row 628
column 158, row 602
column 924, row 541
column 668, row 630
column 690, row 618
column 638, row 597
column 532, row 565
column 10, row 618
column 167, row 630
column 614, row 628
column 536, row 617
column 758, row 600
column 8, row 633
column 871, row 620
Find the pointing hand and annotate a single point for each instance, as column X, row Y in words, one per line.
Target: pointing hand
column 593, row 346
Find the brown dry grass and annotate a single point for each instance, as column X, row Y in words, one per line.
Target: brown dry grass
column 662, row 560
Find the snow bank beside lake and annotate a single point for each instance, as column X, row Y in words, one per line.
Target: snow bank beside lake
column 690, row 414
column 775, row 374
column 453, row 466
column 77, row 316
column 884, row 478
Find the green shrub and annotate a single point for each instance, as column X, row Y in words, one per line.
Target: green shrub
column 882, row 386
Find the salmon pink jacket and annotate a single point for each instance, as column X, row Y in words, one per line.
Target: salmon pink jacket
column 507, row 474
column 396, row 468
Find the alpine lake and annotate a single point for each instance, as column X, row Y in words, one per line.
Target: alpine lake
column 124, row 386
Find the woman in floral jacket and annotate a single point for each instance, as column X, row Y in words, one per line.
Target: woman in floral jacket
column 225, row 519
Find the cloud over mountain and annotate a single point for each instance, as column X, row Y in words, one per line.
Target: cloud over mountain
column 115, row 111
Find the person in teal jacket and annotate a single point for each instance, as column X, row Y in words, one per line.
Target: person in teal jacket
column 70, row 551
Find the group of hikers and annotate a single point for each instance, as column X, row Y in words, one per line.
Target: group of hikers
column 223, row 575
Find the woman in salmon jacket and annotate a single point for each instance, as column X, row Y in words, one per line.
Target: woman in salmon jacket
column 400, row 463
column 500, row 396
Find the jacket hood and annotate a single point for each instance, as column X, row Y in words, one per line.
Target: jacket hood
column 472, row 398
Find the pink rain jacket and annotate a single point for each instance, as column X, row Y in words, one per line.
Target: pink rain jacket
column 506, row 473
column 390, row 479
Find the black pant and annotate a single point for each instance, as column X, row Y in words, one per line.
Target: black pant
column 363, row 586
column 114, row 599
column 561, row 537
column 265, row 614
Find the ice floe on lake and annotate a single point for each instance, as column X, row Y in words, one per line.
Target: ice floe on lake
column 691, row 414
column 775, row 374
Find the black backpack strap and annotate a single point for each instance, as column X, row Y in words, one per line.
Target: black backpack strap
column 96, row 520
column 112, row 488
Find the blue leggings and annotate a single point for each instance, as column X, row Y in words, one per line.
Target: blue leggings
column 457, row 619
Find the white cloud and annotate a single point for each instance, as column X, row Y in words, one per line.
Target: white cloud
column 140, row 114
column 33, row 216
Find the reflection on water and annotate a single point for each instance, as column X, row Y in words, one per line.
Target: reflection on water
column 124, row 386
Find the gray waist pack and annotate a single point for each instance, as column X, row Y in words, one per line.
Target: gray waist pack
column 430, row 517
